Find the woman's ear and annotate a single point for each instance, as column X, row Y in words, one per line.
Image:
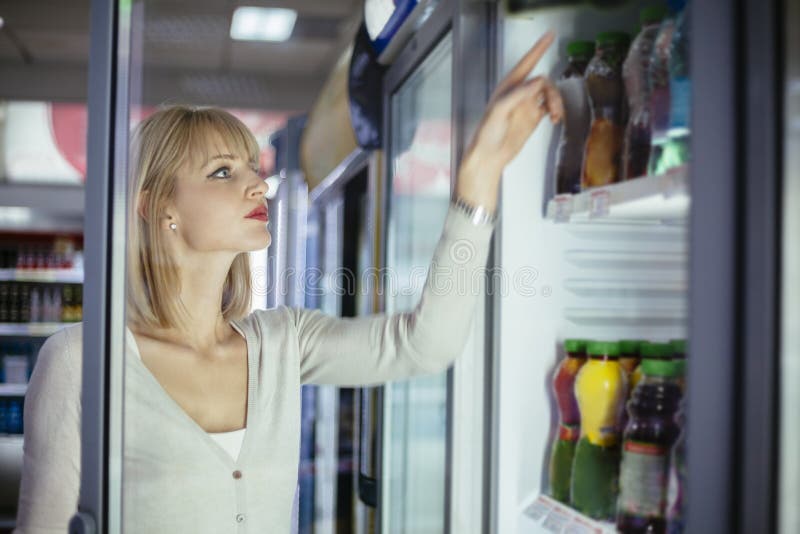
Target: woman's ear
column 141, row 208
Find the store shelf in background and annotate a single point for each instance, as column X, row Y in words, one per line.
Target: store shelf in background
column 614, row 317
column 31, row 329
column 13, row 390
column 63, row 276
column 547, row 515
column 664, row 197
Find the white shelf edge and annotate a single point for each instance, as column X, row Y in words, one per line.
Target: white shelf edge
column 11, row 439
column 654, row 198
column 541, row 510
column 31, row 329
column 626, row 316
column 13, row 390
column 62, row 276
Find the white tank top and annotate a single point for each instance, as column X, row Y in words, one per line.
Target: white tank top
column 230, row 441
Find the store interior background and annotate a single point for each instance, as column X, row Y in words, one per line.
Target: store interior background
column 188, row 58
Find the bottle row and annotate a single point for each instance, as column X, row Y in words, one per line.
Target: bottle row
column 58, row 253
column 22, row 302
column 11, row 410
column 618, row 452
column 626, row 106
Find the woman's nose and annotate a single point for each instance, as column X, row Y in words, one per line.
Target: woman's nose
column 259, row 189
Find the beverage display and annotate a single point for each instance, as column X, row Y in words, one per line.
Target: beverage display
column 600, row 389
column 22, row 302
column 577, row 117
column 650, row 351
column 659, row 84
column 649, row 436
column 563, row 451
column 603, row 150
column 635, row 75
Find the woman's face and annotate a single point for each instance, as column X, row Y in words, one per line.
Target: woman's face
column 219, row 203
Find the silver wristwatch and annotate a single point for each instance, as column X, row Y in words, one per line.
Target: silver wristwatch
column 478, row 215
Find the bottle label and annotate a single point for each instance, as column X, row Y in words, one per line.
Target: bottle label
column 643, row 479
column 568, row 432
column 680, row 94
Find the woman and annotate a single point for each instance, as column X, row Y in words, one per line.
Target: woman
column 211, row 407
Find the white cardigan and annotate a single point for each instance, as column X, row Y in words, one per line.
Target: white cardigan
column 176, row 477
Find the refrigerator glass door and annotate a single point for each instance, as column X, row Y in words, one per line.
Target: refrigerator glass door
column 413, row 497
column 789, row 462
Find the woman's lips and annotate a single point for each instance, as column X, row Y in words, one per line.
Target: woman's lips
column 260, row 214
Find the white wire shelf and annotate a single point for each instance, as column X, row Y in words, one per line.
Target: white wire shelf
column 664, row 197
column 31, row 329
column 13, row 390
column 63, row 276
column 544, row 514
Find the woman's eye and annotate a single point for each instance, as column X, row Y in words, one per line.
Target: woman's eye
column 222, row 172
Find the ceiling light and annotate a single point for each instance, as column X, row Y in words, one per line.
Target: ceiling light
column 1, row 22
column 262, row 24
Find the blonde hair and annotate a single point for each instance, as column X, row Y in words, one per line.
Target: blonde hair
column 161, row 145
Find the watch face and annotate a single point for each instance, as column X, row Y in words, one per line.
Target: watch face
column 376, row 15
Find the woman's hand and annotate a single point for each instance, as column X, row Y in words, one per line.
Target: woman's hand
column 515, row 109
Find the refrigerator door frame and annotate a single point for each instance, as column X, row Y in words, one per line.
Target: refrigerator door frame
column 734, row 265
column 471, row 28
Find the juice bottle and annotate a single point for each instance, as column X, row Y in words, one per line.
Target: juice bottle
column 603, row 151
column 650, row 351
column 651, row 432
column 676, row 151
column 600, row 389
column 634, row 72
column 577, row 117
column 629, row 357
column 677, row 471
column 569, row 419
column 659, row 84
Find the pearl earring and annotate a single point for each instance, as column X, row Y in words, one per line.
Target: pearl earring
column 172, row 226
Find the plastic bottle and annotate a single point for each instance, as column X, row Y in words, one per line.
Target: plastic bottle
column 600, row 389
column 651, row 432
column 676, row 150
column 563, row 451
column 650, row 351
column 659, row 84
column 577, row 117
column 603, row 152
column 635, row 74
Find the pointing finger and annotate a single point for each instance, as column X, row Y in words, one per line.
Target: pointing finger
column 527, row 63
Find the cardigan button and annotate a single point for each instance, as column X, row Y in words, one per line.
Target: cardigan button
column 239, row 518
column 237, row 474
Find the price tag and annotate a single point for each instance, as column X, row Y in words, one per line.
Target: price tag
column 600, row 202
column 562, row 208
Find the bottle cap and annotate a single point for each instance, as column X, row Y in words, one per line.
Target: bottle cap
column 602, row 348
column 580, row 49
column 575, row 345
column 660, row 351
column 678, row 347
column 621, row 39
column 652, row 15
column 630, row 346
column 665, row 368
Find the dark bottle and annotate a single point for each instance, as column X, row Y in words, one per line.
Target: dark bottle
column 602, row 157
column 651, row 432
column 577, row 117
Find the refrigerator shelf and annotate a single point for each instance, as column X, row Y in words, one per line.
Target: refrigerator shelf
column 10, row 441
column 62, row 276
column 664, row 197
column 544, row 514
column 31, row 329
column 13, row 390
column 626, row 288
